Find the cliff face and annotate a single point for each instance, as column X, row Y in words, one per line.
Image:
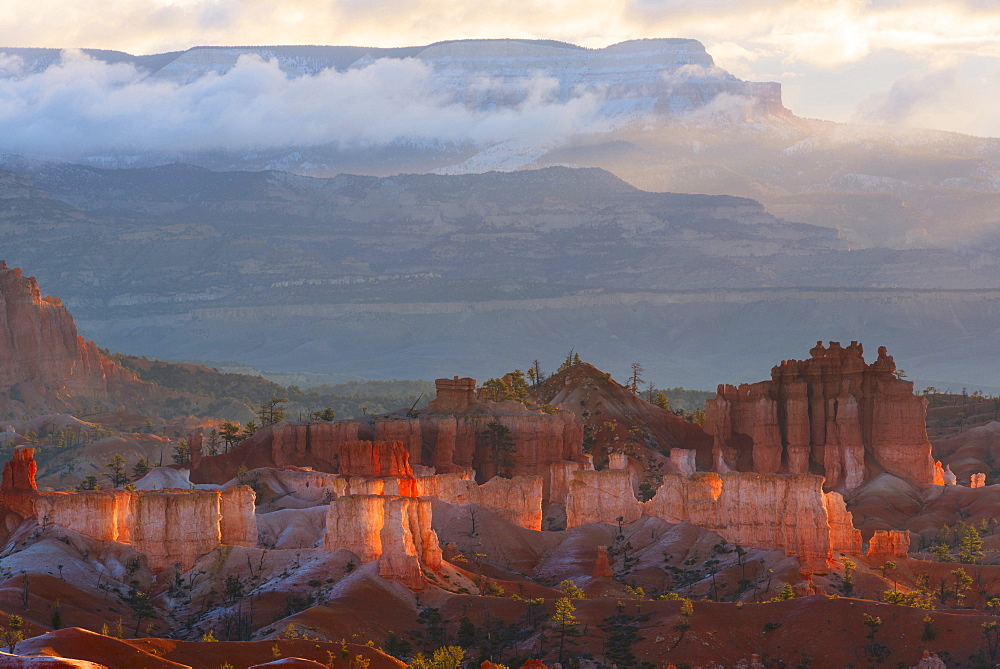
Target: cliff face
column 44, row 363
column 517, row 499
column 789, row 513
column 532, row 443
column 832, row 414
column 395, row 531
column 238, row 518
column 891, row 542
column 601, row 497
column 328, row 447
column 168, row 526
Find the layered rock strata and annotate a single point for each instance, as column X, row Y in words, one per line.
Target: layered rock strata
column 601, row 497
column 788, row 513
column 395, row 531
column 45, row 359
column 517, row 500
column 890, row 543
column 170, row 527
column 531, row 443
column 832, row 414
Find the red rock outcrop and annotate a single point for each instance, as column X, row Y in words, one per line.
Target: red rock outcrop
column 104, row 515
column 168, row 526
column 396, row 531
column 601, row 497
column 893, row 543
column 517, row 499
column 831, row 414
column 18, row 491
column 977, row 480
column 540, row 443
column 19, row 472
column 602, row 566
column 44, row 361
column 783, row 512
column 174, row 527
column 238, row 519
column 844, row 537
column 937, row 477
column 320, row 445
column 406, row 432
column 453, row 395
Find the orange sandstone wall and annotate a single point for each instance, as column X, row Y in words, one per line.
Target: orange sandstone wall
column 833, row 412
column 176, row 527
column 238, row 522
column 601, row 497
column 784, row 512
column 396, row 531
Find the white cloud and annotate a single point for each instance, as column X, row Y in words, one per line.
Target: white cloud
column 82, row 106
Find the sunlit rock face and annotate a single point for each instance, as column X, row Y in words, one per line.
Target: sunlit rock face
column 46, row 365
column 395, row 531
column 169, row 527
column 783, row 512
column 890, row 542
column 832, row 414
column 601, row 497
column 452, row 435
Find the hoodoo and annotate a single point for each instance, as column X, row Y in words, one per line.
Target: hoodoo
column 832, row 414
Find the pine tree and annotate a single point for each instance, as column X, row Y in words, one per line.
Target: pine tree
column 564, row 625
column 970, row 550
column 501, row 447
column 140, row 468
column 271, row 411
column 661, row 400
column 116, row 470
column 622, row 633
column 230, row 432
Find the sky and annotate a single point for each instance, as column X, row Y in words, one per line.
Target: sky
column 919, row 63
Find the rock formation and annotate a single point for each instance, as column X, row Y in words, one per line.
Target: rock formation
column 890, row 543
column 328, row 447
column 104, row 515
column 601, row 497
column 396, row 531
column 602, row 566
column 168, row 526
column 238, row 518
column 19, row 472
column 789, row 513
column 977, row 480
column 831, row 414
column 937, row 477
column 539, row 444
column 517, row 500
column 44, row 363
column 684, row 461
column 453, row 395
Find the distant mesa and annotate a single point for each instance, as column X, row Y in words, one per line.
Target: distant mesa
column 667, row 76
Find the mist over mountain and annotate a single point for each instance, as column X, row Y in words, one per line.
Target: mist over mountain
column 658, row 113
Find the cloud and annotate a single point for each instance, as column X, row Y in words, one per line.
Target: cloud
column 756, row 39
column 82, row 107
column 938, row 99
column 908, row 97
